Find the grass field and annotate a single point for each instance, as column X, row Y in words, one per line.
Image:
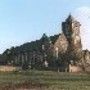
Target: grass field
column 44, row 80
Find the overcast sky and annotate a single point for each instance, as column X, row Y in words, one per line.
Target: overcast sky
column 26, row 20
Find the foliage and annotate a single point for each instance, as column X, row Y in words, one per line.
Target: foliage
column 33, row 51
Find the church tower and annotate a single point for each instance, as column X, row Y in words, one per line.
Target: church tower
column 71, row 30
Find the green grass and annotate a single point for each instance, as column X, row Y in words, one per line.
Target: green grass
column 51, row 80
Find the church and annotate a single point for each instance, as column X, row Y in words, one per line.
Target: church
column 68, row 47
column 62, row 52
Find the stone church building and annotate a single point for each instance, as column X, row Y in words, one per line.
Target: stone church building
column 68, row 47
column 62, row 52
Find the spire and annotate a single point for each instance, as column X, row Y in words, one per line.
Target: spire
column 70, row 18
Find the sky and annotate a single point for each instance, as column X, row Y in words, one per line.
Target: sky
column 82, row 14
column 26, row 20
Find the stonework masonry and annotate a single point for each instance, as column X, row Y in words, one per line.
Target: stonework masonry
column 69, row 45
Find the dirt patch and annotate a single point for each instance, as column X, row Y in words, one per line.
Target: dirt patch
column 8, row 68
column 24, row 86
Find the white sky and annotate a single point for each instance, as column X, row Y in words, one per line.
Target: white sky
column 82, row 14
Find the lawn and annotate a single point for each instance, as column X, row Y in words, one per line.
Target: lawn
column 44, row 80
